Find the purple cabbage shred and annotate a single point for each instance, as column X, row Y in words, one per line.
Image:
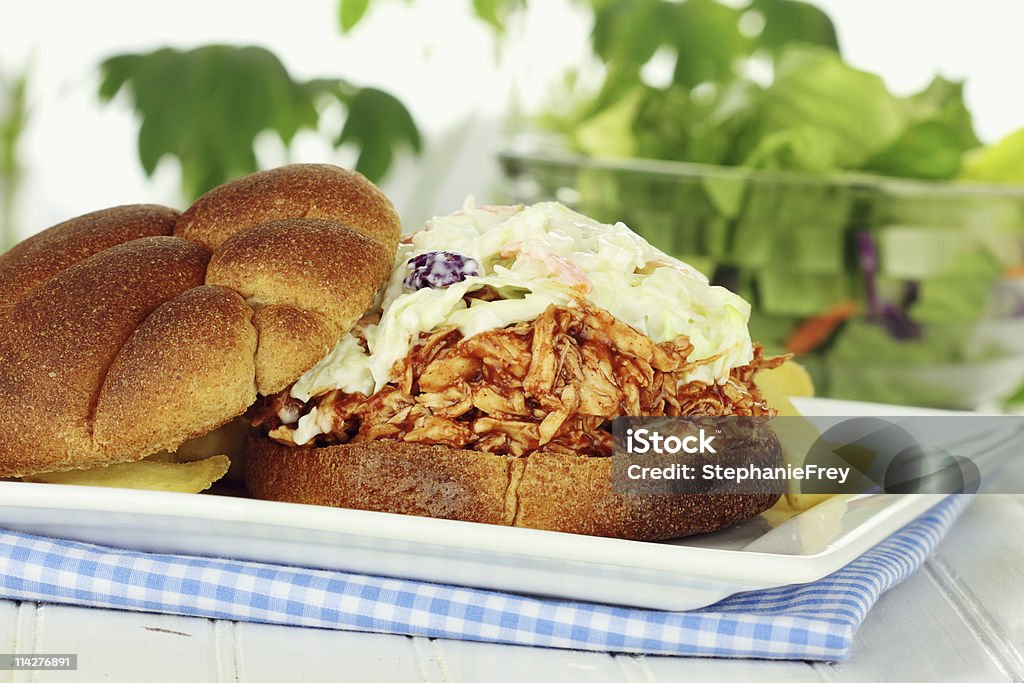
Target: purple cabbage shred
column 895, row 318
column 437, row 269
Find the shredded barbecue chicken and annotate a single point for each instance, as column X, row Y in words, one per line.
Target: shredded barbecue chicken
column 551, row 384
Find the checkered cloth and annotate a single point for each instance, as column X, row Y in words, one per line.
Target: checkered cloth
column 811, row 621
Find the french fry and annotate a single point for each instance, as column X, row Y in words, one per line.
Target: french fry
column 153, row 475
column 779, row 384
column 228, row 439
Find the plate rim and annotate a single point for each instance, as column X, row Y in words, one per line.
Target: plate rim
column 735, row 566
column 745, row 565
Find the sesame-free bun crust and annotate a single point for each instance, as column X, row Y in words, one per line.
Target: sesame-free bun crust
column 34, row 261
column 541, row 491
column 196, row 353
column 316, row 273
column 292, row 340
column 121, row 334
column 296, row 191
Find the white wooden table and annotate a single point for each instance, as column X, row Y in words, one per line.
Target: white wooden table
column 960, row 618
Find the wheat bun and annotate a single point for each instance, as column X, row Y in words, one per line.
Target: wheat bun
column 541, row 491
column 133, row 329
column 297, row 191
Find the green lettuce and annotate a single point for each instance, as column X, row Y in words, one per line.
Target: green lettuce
column 1002, row 162
column 849, row 112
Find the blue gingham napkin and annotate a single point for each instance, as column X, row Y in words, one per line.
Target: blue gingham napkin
column 812, row 621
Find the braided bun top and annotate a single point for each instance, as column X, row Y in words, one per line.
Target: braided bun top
column 130, row 330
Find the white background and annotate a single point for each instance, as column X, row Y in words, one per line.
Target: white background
column 80, row 155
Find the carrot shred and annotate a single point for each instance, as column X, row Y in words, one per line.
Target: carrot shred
column 813, row 332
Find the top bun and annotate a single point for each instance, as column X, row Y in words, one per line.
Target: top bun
column 316, row 191
column 131, row 330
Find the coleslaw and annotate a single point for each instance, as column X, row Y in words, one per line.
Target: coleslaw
column 531, row 258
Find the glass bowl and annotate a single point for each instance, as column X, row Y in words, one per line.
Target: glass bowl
column 889, row 290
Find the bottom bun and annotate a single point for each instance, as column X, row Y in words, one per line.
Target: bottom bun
column 540, row 491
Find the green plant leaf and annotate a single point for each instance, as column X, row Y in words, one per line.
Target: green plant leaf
column 1017, row 398
column 14, row 116
column 116, row 71
column 350, row 12
column 815, row 89
column 953, row 299
column 610, row 131
column 664, row 123
column 943, row 101
column 707, row 36
column 800, row 148
column 378, row 124
column 928, row 150
column 790, row 21
column 496, row 12
column 673, row 123
column 206, row 107
column 629, row 32
column 940, row 132
column 1002, row 162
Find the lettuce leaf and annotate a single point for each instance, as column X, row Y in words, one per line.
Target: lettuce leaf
column 790, row 21
column 849, row 111
column 941, row 130
column 1002, row 162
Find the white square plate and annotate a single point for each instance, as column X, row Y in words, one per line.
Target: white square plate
column 674, row 575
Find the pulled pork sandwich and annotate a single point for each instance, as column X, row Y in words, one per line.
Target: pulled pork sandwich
column 483, row 383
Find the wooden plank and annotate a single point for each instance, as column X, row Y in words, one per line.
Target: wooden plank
column 265, row 652
column 671, row 669
column 225, row 651
column 980, row 567
column 8, row 625
column 466, row 662
column 130, row 646
column 432, row 666
column 20, row 637
column 914, row 634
